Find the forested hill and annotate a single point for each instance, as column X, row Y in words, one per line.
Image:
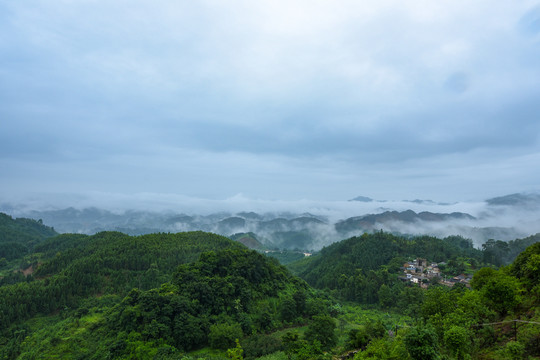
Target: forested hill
column 71, row 267
column 371, row 251
column 177, row 292
column 200, row 295
column 19, row 236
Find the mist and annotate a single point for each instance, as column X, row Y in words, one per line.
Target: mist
column 294, row 224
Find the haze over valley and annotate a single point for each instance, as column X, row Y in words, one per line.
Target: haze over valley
column 304, row 225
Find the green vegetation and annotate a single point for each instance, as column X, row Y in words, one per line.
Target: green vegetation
column 250, row 240
column 198, row 295
column 111, row 295
column 19, row 236
column 452, row 322
column 498, row 252
column 286, row 257
column 365, row 269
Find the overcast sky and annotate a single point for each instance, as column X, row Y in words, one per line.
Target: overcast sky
column 276, row 100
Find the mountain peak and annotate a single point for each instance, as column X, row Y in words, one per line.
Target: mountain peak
column 362, row 199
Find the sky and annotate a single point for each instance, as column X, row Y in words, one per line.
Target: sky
column 274, row 100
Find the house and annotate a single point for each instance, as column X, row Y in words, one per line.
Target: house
column 462, row 278
column 410, row 266
column 422, row 263
column 432, row 271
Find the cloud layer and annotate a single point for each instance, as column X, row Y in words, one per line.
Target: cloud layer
column 272, row 99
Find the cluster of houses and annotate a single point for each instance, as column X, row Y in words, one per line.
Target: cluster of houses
column 421, row 272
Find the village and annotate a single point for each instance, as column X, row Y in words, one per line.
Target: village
column 421, row 272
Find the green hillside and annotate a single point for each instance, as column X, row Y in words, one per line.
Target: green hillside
column 72, row 267
column 496, row 316
column 112, row 295
column 370, row 252
column 199, row 295
column 19, row 236
column 250, row 240
column 209, row 302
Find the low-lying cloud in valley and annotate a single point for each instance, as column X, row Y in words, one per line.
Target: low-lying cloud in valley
column 302, row 224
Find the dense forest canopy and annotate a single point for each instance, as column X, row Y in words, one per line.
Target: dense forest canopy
column 370, row 252
column 19, row 236
column 200, row 295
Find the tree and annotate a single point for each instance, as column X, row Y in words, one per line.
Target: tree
column 527, row 266
column 410, row 300
column 224, row 336
column 438, row 300
column 288, row 309
column 421, row 343
column 236, row 352
column 322, row 329
column 291, row 343
column 299, row 297
column 309, row 351
column 457, row 339
column 501, row 293
column 358, row 338
column 494, row 252
column 258, row 345
column 384, row 349
column 481, row 277
column 513, row 351
column 386, row 298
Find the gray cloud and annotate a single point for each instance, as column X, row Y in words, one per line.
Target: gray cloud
column 272, row 99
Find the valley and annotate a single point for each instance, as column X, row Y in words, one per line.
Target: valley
column 200, row 295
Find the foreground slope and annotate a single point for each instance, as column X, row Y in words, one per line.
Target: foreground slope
column 111, row 295
column 71, row 267
column 159, row 296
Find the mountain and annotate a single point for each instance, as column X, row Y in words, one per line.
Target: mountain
column 524, row 200
column 250, row 215
column 23, row 229
column 249, row 240
column 231, row 225
column 370, row 251
column 111, row 295
column 501, row 218
column 420, row 201
column 79, row 265
column 362, row 199
column 376, row 221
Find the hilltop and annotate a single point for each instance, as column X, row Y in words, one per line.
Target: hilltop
column 19, row 236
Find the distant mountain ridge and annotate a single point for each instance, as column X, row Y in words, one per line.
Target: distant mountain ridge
column 370, row 222
column 305, row 231
column 362, row 198
column 367, row 199
column 518, row 199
